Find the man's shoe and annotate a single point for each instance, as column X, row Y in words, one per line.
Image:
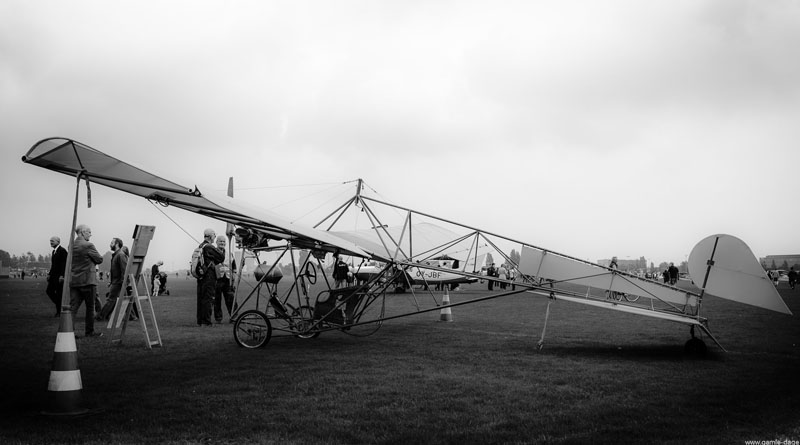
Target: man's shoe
column 95, row 334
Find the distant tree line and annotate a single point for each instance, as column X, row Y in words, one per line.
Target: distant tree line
column 24, row 260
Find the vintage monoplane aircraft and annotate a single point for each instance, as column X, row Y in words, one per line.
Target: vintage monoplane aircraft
column 404, row 242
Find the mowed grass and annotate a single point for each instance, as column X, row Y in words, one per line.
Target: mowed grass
column 602, row 377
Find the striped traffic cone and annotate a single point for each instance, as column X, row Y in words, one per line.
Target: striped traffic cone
column 65, row 378
column 445, row 313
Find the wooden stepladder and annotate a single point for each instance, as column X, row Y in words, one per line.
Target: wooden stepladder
column 139, row 292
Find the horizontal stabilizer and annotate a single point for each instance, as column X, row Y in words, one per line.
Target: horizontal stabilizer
column 724, row 266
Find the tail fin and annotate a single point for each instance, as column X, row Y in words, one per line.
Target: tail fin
column 723, row 266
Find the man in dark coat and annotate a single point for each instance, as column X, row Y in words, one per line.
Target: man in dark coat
column 224, row 287
column 55, row 278
column 207, row 283
column 490, row 273
column 673, row 274
column 116, row 277
column 340, row 271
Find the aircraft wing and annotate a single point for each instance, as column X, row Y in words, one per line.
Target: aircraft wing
column 71, row 157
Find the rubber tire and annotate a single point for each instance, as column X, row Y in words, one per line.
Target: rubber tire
column 695, row 347
column 305, row 313
column 244, row 322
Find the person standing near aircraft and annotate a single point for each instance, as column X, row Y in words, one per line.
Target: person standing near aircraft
column 207, row 282
column 83, row 277
column 340, row 271
column 673, row 274
column 154, row 277
column 490, row 272
column 116, row 277
column 792, row 277
column 55, row 278
column 502, row 274
column 223, row 287
column 614, row 267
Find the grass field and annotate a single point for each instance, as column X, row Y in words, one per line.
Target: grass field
column 602, row 377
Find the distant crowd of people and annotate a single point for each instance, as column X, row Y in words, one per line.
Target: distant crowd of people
column 791, row 276
column 502, row 275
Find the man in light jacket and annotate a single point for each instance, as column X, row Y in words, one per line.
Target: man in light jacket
column 83, row 278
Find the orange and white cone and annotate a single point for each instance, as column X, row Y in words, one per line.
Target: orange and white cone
column 65, row 378
column 446, row 314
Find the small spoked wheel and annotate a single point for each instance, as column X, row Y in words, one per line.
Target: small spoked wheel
column 252, row 329
column 304, row 319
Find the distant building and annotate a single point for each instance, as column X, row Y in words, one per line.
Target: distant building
column 780, row 262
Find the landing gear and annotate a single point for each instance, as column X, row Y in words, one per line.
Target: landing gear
column 305, row 320
column 694, row 347
column 252, row 329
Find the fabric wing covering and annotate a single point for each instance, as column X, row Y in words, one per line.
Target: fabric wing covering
column 726, row 267
column 71, row 157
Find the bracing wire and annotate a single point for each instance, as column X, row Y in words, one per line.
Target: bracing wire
column 322, row 204
column 303, row 197
column 396, row 211
column 282, row 186
column 173, row 221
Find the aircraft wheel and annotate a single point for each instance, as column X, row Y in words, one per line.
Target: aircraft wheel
column 305, row 316
column 252, row 329
column 695, row 347
column 631, row 298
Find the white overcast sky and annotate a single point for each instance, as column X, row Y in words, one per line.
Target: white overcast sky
column 593, row 128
